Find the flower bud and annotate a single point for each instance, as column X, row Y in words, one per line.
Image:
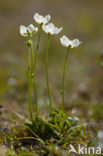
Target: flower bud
column 29, row 43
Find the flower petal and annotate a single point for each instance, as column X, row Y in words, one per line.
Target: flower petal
column 38, row 18
column 58, row 30
column 75, row 43
column 65, row 41
column 47, row 19
column 31, row 28
column 41, row 19
column 51, row 29
column 51, row 26
column 23, row 30
column 45, row 28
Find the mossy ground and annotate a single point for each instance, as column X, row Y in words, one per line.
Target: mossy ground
column 47, row 135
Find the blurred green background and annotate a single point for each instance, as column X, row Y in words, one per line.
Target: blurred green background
column 82, row 19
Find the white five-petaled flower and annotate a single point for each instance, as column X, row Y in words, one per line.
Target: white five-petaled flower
column 66, row 42
column 28, row 31
column 51, row 29
column 41, row 19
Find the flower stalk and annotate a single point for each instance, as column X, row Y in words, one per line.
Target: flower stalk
column 30, row 85
column 35, row 62
column 63, row 79
column 66, row 42
column 47, row 80
column 32, row 55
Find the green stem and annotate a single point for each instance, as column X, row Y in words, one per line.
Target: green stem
column 32, row 54
column 47, row 80
column 35, row 62
column 63, row 79
column 29, row 87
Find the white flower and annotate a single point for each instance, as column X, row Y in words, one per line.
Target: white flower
column 66, row 42
column 25, row 31
column 41, row 19
column 50, row 28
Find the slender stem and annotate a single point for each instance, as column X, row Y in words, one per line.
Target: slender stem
column 47, row 80
column 32, row 54
column 63, row 79
column 37, row 48
column 35, row 62
column 29, row 86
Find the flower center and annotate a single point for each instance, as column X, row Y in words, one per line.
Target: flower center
column 42, row 17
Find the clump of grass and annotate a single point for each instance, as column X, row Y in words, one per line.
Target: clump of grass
column 57, row 127
column 51, row 135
